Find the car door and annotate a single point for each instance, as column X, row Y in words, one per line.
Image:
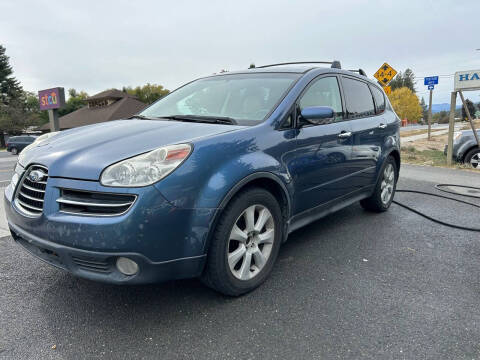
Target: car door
column 366, row 126
column 322, row 151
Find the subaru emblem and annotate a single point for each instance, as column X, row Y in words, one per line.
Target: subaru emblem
column 36, row 176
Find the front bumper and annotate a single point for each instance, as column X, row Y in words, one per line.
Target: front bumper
column 167, row 242
column 100, row 266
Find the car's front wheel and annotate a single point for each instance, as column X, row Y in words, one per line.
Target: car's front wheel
column 473, row 158
column 245, row 243
column 14, row 151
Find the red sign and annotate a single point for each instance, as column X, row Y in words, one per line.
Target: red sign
column 51, row 98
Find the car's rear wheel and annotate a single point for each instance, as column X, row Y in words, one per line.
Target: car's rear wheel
column 245, row 243
column 14, row 151
column 384, row 192
column 473, row 158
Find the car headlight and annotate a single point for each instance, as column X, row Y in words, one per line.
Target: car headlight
column 147, row 168
column 457, row 135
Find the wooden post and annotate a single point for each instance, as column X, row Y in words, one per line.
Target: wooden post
column 430, row 115
column 53, row 117
column 451, row 127
column 469, row 118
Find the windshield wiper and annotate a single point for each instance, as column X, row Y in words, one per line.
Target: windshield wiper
column 203, row 118
column 143, row 117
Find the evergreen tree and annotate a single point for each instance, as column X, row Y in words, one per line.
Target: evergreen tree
column 406, row 79
column 471, row 109
column 12, row 97
column 424, row 109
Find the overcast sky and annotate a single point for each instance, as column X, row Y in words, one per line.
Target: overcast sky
column 95, row 45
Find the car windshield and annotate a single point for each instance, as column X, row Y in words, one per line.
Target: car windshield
column 245, row 98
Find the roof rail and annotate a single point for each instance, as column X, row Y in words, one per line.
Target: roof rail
column 334, row 64
column 360, row 71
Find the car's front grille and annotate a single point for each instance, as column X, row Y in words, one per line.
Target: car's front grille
column 80, row 202
column 31, row 190
column 102, row 266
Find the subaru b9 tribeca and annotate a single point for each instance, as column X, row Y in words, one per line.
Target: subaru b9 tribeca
column 209, row 180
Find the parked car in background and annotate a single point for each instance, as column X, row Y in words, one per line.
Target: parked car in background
column 209, row 180
column 465, row 148
column 16, row 144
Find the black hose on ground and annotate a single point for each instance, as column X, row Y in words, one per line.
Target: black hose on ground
column 438, row 186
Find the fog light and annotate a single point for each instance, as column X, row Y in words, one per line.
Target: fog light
column 127, row 266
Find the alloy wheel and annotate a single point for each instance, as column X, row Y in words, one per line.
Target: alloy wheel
column 475, row 160
column 388, row 183
column 251, row 242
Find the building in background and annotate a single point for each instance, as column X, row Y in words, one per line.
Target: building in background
column 105, row 106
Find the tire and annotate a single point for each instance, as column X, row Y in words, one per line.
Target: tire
column 473, row 158
column 387, row 180
column 14, row 151
column 234, row 265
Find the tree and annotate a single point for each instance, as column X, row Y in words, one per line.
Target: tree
column 11, row 95
column 471, row 109
column 424, row 109
column 406, row 79
column 406, row 104
column 441, row 117
column 75, row 101
column 148, row 93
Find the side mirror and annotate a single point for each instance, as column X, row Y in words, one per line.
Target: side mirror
column 317, row 115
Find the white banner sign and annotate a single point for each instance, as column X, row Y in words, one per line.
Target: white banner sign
column 467, row 80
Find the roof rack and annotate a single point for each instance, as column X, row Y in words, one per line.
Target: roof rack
column 334, row 64
column 360, row 71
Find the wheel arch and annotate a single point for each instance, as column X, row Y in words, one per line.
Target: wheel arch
column 467, row 151
column 396, row 155
column 265, row 180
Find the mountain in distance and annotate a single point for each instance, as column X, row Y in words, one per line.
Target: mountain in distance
column 436, row 108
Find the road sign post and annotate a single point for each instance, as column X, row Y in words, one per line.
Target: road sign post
column 451, row 127
column 430, row 81
column 51, row 100
column 430, row 115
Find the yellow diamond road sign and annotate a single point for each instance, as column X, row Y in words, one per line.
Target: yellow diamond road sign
column 385, row 74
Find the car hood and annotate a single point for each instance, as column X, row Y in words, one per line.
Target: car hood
column 83, row 153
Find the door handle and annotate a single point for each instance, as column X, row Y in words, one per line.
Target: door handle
column 382, row 126
column 344, row 134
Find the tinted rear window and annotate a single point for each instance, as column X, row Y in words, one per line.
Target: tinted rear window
column 379, row 99
column 358, row 98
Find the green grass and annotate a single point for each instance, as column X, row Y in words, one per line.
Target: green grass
column 425, row 157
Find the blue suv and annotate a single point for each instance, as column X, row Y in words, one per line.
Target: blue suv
column 208, row 181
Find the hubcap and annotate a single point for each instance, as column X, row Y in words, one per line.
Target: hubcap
column 475, row 160
column 388, row 183
column 251, row 241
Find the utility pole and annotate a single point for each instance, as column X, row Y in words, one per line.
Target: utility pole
column 451, row 127
column 430, row 115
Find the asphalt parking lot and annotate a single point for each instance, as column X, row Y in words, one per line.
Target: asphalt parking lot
column 354, row 285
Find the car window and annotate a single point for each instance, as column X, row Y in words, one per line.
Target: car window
column 379, row 99
column 324, row 92
column 358, row 99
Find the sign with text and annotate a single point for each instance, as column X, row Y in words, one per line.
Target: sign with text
column 385, row 74
column 430, row 80
column 51, row 98
column 467, row 80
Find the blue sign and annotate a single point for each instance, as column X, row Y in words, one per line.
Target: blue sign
column 430, row 87
column 430, row 80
